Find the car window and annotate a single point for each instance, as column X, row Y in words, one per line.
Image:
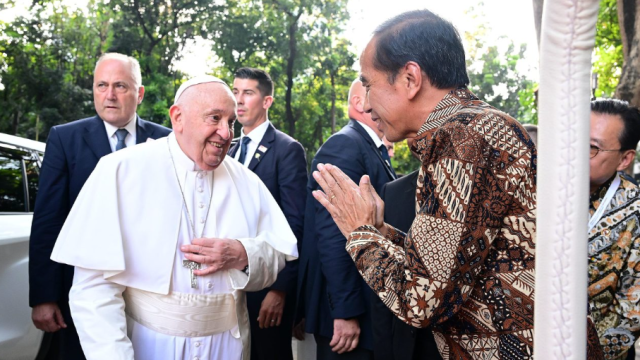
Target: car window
column 12, row 189
column 33, row 176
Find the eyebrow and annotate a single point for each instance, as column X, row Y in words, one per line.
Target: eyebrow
column 215, row 111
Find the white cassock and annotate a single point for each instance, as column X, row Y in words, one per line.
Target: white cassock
column 123, row 235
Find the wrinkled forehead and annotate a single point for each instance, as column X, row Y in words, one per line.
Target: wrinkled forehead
column 113, row 69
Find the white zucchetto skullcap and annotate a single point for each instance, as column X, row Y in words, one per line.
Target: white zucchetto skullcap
column 202, row 79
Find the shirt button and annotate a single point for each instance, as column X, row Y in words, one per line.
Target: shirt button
column 209, row 285
column 196, row 358
column 197, row 344
column 200, row 175
column 201, row 221
column 199, row 188
column 201, row 205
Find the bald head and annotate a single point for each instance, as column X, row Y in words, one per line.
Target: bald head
column 357, row 89
column 357, row 94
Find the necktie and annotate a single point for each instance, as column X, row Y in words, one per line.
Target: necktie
column 121, row 134
column 386, row 158
column 243, row 149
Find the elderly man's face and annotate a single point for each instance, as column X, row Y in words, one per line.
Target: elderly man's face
column 383, row 100
column 203, row 122
column 605, row 134
column 115, row 94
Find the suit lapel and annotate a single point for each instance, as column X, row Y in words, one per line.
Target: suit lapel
column 264, row 146
column 387, row 167
column 95, row 136
column 143, row 131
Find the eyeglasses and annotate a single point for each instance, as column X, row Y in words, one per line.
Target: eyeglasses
column 594, row 150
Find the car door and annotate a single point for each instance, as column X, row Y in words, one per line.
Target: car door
column 19, row 170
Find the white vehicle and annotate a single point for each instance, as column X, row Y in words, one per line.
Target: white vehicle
column 20, row 161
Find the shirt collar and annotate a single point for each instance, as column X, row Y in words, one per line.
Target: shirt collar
column 449, row 104
column 130, row 127
column 372, row 134
column 256, row 134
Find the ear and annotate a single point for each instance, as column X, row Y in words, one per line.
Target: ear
column 627, row 159
column 175, row 113
column 267, row 101
column 140, row 94
column 413, row 79
column 357, row 102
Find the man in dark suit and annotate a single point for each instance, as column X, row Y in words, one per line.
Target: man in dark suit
column 335, row 299
column 281, row 164
column 393, row 338
column 72, row 152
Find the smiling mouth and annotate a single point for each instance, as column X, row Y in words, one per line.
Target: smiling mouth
column 218, row 145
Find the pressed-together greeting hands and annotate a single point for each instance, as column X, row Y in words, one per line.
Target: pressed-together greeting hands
column 217, row 254
column 350, row 205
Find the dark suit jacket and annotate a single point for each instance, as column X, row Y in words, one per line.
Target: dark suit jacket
column 282, row 167
column 72, row 152
column 394, row 339
column 330, row 285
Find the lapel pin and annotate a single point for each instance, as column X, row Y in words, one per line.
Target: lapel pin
column 262, row 148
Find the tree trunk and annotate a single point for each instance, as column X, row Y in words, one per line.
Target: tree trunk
column 629, row 86
column 16, row 120
column 537, row 17
column 293, row 50
column 333, row 103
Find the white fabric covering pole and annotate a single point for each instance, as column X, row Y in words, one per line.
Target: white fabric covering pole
column 568, row 37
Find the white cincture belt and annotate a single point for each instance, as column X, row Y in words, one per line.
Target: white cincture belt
column 179, row 314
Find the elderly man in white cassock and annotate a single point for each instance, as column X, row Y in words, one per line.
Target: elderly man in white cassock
column 167, row 236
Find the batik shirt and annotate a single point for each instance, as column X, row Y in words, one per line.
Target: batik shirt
column 614, row 276
column 467, row 265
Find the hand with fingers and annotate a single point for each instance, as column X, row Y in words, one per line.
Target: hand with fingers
column 346, row 335
column 350, row 205
column 47, row 317
column 217, row 254
column 271, row 309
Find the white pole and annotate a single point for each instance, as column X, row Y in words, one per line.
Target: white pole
column 568, row 38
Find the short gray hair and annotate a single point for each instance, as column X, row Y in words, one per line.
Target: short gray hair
column 133, row 63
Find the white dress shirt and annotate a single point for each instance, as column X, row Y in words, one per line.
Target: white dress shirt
column 376, row 139
column 256, row 136
column 130, row 140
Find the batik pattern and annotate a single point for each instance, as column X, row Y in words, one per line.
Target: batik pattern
column 614, row 256
column 468, row 266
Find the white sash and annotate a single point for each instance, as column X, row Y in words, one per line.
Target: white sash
column 604, row 204
column 179, row 314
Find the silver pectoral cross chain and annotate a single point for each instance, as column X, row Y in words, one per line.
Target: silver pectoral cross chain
column 192, row 265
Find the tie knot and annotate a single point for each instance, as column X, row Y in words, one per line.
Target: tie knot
column 383, row 149
column 246, row 140
column 121, row 134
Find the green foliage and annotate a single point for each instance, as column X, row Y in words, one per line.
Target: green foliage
column 298, row 44
column 47, row 61
column 46, row 69
column 608, row 56
column 493, row 72
column 403, row 161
